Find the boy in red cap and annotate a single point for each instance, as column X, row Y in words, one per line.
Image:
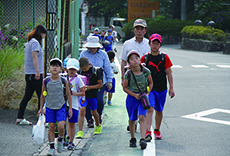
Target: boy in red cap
column 160, row 66
column 133, row 103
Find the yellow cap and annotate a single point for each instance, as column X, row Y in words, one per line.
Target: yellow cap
column 44, row 93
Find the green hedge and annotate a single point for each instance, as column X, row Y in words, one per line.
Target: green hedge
column 160, row 25
column 205, row 33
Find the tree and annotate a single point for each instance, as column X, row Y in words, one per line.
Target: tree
column 107, row 8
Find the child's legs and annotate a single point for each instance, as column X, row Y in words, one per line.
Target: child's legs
column 158, row 119
column 61, row 128
column 51, row 134
column 110, row 96
column 132, row 128
column 142, row 120
column 95, row 116
column 159, row 106
column 71, row 124
column 131, row 106
column 81, row 118
column 93, row 107
column 149, row 115
column 72, row 130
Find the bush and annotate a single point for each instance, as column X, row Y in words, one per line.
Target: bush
column 160, row 25
column 205, row 33
column 11, row 75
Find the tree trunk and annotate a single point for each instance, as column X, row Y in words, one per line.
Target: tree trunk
column 176, row 9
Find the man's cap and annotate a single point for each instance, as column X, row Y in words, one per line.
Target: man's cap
column 92, row 42
column 155, row 37
column 140, row 22
column 65, row 62
column 96, row 29
column 109, row 30
column 131, row 53
column 73, row 63
column 56, row 59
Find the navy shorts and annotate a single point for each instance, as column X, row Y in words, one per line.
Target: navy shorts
column 134, row 107
column 92, row 103
column 74, row 118
column 56, row 115
column 157, row 100
column 112, row 90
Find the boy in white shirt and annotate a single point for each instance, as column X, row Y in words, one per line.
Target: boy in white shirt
column 111, row 55
column 77, row 88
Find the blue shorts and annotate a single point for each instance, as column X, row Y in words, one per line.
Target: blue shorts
column 74, row 118
column 56, row 115
column 92, row 103
column 133, row 107
column 112, row 90
column 157, row 100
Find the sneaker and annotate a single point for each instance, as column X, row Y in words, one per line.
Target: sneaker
column 59, row 146
column 132, row 142
column 79, row 135
column 157, row 135
column 70, row 146
column 97, row 130
column 143, row 143
column 51, row 151
column 105, row 99
column 90, row 123
column 148, row 136
column 109, row 103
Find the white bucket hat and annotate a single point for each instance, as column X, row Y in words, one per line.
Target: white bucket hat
column 73, row 63
column 92, row 42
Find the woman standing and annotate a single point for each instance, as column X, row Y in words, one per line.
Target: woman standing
column 34, row 69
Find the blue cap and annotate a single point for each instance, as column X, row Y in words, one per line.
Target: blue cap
column 65, row 62
column 109, row 30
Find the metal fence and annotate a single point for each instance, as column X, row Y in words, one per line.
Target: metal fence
column 23, row 12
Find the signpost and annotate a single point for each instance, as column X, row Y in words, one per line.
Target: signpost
column 142, row 8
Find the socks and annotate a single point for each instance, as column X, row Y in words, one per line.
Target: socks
column 60, row 139
column 51, row 145
column 156, row 129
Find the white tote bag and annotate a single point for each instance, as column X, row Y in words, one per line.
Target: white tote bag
column 38, row 132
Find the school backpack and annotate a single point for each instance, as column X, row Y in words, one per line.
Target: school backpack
column 97, row 71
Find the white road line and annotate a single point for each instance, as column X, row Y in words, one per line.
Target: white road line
column 177, row 66
column 200, row 116
column 150, row 150
column 199, row 66
column 223, row 66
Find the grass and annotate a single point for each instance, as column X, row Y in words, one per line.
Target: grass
column 12, row 83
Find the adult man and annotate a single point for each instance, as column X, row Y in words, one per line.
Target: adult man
column 137, row 43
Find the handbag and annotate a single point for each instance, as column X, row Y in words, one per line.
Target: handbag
column 143, row 96
column 38, row 132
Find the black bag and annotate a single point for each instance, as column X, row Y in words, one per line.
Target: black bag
column 143, row 96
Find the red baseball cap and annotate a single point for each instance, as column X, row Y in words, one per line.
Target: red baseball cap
column 156, row 37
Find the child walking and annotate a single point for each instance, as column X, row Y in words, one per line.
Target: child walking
column 94, row 82
column 53, row 91
column 133, row 102
column 77, row 88
column 160, row 66
column 110, row 38
column 111, row 55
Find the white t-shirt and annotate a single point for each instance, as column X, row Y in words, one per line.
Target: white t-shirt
column 75, row 99
column 132, row 44
column 113, row 68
